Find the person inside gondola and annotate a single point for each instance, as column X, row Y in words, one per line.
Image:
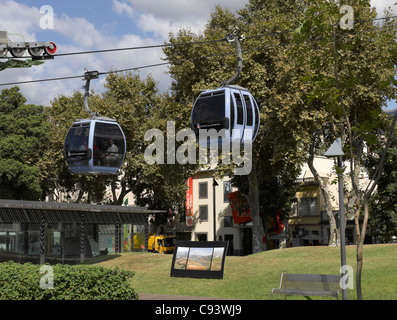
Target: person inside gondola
column 111, row 155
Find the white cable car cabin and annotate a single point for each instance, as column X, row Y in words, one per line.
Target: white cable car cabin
column 231, row 108
column 96, row 145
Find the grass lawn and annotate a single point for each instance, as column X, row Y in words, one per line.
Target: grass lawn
column 253, row 277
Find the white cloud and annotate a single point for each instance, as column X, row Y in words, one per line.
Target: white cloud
column 156, row 18
column 162, row 17
column 19, row 18
column 183, row 10
column 77, row 34
column 381, row 5
column 123, row 7
column 160, row 28
column 81, row 32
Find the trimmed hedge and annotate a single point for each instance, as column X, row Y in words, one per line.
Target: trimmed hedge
column 25, row 282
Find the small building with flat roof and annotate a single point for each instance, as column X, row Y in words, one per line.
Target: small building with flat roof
column 40, row 232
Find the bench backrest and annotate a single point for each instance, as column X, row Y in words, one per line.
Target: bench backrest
column 323, row 282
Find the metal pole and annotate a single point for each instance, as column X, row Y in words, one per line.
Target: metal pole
column 342, row 223
column 43, row 233
column 214, row 184
column 82, row 238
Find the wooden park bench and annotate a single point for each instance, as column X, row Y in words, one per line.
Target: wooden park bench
column 323, row 285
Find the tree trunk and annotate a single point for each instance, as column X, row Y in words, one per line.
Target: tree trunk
column 324, row 187
column 360, row 246
column 253, row 200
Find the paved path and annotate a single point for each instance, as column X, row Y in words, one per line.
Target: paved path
column 154, row 296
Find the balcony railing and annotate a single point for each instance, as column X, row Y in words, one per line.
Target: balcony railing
column 310, row 180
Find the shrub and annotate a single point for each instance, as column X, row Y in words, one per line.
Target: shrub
column 22, row 282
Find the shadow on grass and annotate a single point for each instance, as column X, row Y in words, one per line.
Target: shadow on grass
column 101, row 259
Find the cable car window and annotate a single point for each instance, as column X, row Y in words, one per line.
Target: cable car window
column 249, row 110
column 108, row 145
column 231, row 112
column 209, row 108
column 240, row 109
column 256, row 118
column 76, row 144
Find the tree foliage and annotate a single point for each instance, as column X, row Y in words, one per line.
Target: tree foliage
column 314, row 81
column 383, row 205
column 137, row 106
column 23, row 139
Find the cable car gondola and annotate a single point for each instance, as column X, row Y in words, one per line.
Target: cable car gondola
column 96, row 145
column 229, row 107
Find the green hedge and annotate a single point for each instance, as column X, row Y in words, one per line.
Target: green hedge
column 26, row 282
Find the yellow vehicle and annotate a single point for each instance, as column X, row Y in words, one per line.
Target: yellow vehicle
column 161, row 243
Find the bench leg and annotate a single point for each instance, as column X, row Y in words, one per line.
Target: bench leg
column 308, row 298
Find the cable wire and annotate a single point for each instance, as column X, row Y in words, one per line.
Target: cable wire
column 183, row 60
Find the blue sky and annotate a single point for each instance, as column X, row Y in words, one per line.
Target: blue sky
column 99, row 24
column 102, row 24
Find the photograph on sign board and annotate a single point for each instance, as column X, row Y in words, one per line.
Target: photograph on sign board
column 181, row 258
column 200, row 259
column 217, row 258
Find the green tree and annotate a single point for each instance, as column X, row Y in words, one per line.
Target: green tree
column 351, row 76
column 383, row 205
column 315, row 84
column 141, row 108
column 23, row 139
column 278, row 149
column 137, row 106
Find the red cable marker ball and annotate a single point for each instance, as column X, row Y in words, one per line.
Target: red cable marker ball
column 52, row 50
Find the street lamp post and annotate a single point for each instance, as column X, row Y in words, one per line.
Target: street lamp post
column 336, row 151
column 214, row 184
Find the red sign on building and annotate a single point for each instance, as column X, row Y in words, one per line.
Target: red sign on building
column 240, row 208
column 189, row 202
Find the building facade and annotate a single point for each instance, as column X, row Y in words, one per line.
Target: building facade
column 212, row 217
column 209, row 214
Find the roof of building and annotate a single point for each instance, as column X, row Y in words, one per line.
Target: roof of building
column 54, row 212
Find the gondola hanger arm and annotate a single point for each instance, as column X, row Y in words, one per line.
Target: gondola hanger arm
column 88, row 75
column 237, row 38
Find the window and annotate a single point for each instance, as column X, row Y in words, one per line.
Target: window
column 232, row 106
column 76, row 145
column 227, row 188
column 249, row 110
column 203, row 190
column 203, row 213
column 308, row 207
column 209, row 107
column 256, row 118
column 108, row 145
column 228, row 222
column 201, row 237
column 240, row 109
column 294, row 209
column 77, row 137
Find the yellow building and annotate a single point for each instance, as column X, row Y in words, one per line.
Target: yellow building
column 309, row 223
